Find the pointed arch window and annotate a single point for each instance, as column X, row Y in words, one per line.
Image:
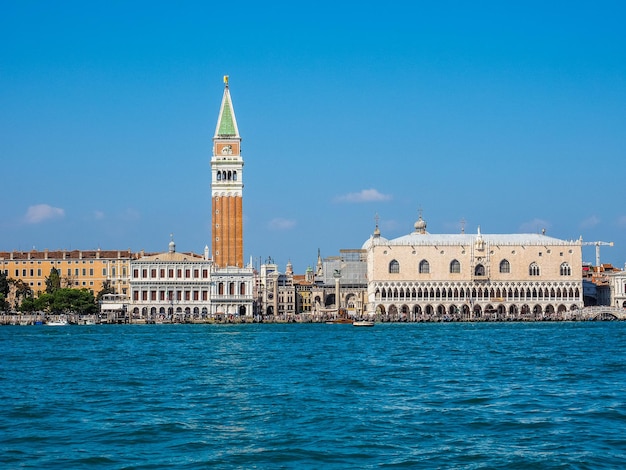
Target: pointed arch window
column 505, row 266
column 479, row 270
column 424, row 267
column 219, row 176
column 533, row 269
column 566, row 269
column 394, row 267
column 455, row 266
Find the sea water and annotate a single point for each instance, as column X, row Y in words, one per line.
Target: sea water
column 467, row 395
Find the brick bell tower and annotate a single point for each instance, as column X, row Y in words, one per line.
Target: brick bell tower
column 227, row 188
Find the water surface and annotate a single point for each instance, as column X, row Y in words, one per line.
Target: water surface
column 542, row 395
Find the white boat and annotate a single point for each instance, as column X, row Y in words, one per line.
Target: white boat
column 363, row 323
column 60, row 322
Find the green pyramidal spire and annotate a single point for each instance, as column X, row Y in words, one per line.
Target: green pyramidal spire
column 226, row 123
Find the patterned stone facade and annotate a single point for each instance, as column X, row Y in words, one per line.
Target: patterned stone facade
column 423, row 276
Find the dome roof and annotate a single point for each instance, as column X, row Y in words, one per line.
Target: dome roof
column 374, row 240
column 420, row 225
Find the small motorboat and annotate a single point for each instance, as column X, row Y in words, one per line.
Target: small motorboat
column 363, row 323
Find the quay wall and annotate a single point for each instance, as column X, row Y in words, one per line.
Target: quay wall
column 585, row 314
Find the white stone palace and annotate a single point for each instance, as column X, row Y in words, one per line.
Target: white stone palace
column 444, row 277
column 186, row 287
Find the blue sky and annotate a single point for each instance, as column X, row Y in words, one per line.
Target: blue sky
column 510, row 116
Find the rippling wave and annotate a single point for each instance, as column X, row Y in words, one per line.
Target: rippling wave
column 314, row 396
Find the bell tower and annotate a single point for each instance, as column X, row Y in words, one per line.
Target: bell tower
column 227, row 188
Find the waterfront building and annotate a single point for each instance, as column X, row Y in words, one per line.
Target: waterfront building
column 424, row 276
column 617, row 281
column 283, row 296
column 303, row 284
column 597, row 284
column 183, row 287
column 88, row 269
column 166, row 284
column 276, row 293
column 232, row 292
column 227, row 187
column 340, row 282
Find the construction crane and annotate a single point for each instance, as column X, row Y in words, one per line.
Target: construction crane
column 598, row 245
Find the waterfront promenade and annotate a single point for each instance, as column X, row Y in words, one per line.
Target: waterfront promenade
column 596, row 313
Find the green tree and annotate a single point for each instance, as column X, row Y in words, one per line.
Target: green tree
column 53, row 281
column 66, row 300
column 22, row 291
column 4, row 291
column 44, row 302
column 28, row 305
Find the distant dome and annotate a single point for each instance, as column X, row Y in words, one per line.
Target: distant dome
column 420, row 225
column 374, row 240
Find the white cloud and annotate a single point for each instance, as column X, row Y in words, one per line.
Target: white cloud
column 365, row 195
column 590, row 222
column 41, row 212
column 534, row 226
column 281, row 224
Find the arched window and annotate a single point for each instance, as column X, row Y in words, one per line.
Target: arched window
column 219, row 176
column 455, row 266
column 394, row 267
column 242, row 288
column 231, row 288
column 234, row 176
column 533, row 269
column 479, row 270
column 566, row 269
column 505, row 266
column 220, row 288
column 424, row 267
